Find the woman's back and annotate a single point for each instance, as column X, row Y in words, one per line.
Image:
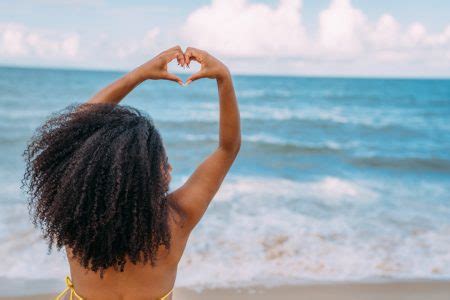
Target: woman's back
column 140, row 281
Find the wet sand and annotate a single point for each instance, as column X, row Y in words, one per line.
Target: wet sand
column 417, row 290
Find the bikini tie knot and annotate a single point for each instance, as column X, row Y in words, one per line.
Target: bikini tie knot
column 69, row 282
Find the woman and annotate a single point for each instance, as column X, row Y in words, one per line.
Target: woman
column 98, row 180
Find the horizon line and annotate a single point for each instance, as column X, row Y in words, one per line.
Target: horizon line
column 341, row 76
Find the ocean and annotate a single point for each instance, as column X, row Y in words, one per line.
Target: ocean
column 338, row 179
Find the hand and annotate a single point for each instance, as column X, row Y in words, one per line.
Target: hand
column 211, row 67
column 156, row 68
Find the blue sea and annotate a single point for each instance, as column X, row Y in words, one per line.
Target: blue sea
column 338, row 179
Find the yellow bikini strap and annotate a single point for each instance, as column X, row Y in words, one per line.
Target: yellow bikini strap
column 167, row 295
column 69, row 287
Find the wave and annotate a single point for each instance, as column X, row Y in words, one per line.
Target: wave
column 267, row 227
column 269, row 231
column 208, row 112
column 370, row 118
column 328, row 190
column 260, row 93
column 378, row 119
column 286, row 113
column 404, row 163
column 273, row 145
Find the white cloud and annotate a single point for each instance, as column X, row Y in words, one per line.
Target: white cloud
column 242, row 29
column 16, row 40
column 12, row 40
column 142, row 46
column 386, row 32
column 252, row 37
column 440, row 39
column 342, row 29
column 416, row 34
column 21, row 43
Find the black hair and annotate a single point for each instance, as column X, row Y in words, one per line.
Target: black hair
column 97, row 179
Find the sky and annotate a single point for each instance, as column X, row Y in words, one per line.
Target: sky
column 288, row 37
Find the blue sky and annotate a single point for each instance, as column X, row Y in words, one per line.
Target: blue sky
column 309, row 37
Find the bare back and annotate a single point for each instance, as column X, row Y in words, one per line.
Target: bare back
column 138, row 281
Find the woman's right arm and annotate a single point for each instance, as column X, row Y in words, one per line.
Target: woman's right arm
column 198, row 191
column 155, row 69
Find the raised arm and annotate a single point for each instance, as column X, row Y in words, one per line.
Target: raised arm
column 155, row 68
column 198, row 191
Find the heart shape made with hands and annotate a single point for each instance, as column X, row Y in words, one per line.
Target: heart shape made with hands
column 184, row 60
column 184, row 71
column 210, row 67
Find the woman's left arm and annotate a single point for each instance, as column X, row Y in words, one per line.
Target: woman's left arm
column 154, row 69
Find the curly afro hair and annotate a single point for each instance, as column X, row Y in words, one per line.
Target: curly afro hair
column 97, row 179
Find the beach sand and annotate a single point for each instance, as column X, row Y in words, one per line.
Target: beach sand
column 425, row 290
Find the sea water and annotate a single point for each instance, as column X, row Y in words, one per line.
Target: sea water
column 338, row 179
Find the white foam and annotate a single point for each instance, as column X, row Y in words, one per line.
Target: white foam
column 260, row 93
column 373, row 117
column 281, row 247
column 24, row 251
column 329, row 190
column 273, row 140
column 288, row 113
column 251, row 236
column 273, row 231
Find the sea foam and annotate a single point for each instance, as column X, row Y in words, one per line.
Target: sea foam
column 276, row 231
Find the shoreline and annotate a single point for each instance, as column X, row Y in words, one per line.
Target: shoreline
column 396, row 290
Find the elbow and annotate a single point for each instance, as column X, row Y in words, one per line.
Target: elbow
column 232, row 148
column 237, row 147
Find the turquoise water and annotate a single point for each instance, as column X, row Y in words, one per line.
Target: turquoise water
column 337, row 179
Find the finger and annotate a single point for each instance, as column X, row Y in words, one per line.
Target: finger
column 192, row 54
column 174, row 49
column 173, row 77
column 194, row 77
column 187, row 58
column 176, row 52
column 180, row 58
